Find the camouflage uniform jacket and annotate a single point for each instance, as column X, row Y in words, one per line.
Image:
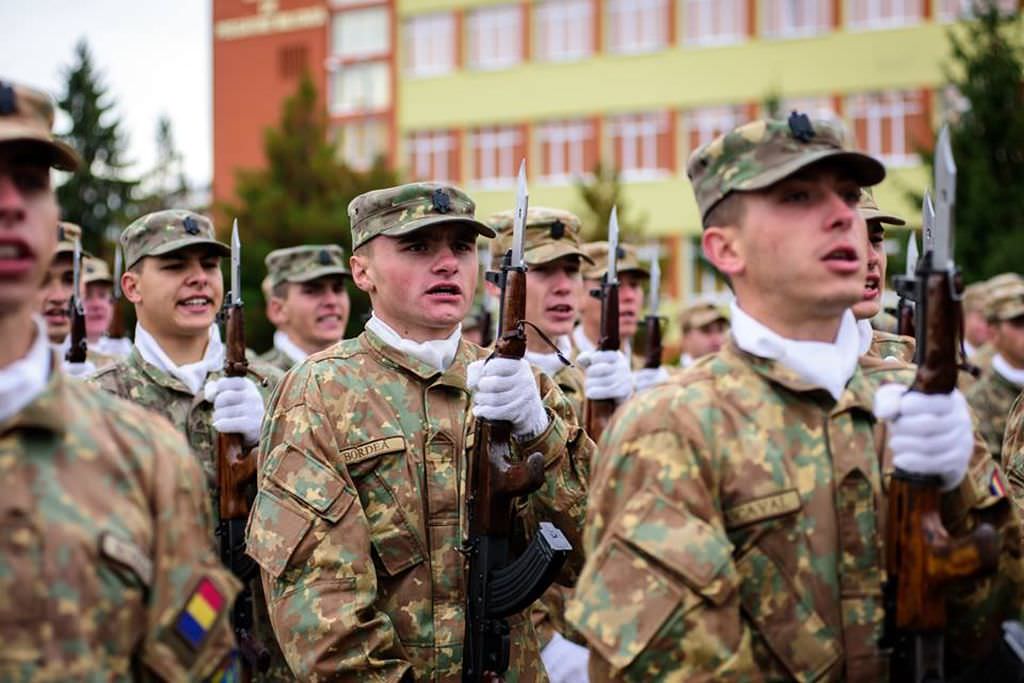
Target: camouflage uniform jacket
column 1013, row 452
column 991, row 398
column 277, row 358
column 887, row 346
column 570, row 380
column 360, row 515
column 105, row 546
column 734, row 532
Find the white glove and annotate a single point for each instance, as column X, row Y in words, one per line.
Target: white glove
column 504, row 389
column 565, row 661
column 928, row 433
column 607, row 375
column 645, row 378
column 79, row 370
column 237, row 407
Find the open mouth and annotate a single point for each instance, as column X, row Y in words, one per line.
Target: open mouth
column 16, row 257
column 196, row 303
column 56, row 313
column 872, row 287
column 843, row 259
column 330, row 319
column 842, row 254
column 445, row 289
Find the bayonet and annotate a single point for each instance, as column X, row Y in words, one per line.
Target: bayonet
column 76, row 297
column 613, row 247
column 655, row 286
column 519, row 223
column 118, row 267
column 78, row 347
column 236, row 266
column 945, row 202
column 912, row 255
column 928, row 223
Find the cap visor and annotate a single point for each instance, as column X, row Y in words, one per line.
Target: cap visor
column 866, row 170
column 876, row 215
column 429, row 221
column 315, row 273
column 551, row 252
column 176, row 245
column 1010, row 314
column 706, row 318
column 59, row 154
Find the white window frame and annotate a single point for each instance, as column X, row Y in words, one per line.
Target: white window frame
column 430, row 42
column 342, row 52
column 495, row 37
column 433, row 148
column 377, row 66
column 497, row 152
column 706, row 14
column 795, row 18
column 637, row 26
column 642, row 130
column 873, row 21
column 567, row 149
column 965, row 9
column 886, row 108
column 814, row 107
column 362, row 159
column 563, row 30
column 710, row 122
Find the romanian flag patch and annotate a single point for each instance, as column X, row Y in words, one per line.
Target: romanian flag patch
column 996, row 486
column 229, row 671
column 200, row 613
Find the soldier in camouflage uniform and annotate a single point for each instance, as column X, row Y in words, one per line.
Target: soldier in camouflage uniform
column 982, row 357
column 98, row 302
column 106, row 567
column 308, row 301
column 976, row 329
column 734, row 524
column 360, row 515
column 705, row 328
column 994, row 393
column 873, row 341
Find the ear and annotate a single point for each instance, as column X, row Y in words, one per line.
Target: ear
column 277, row 311
column 130, row 286
column 724, row 248
column 362, row 274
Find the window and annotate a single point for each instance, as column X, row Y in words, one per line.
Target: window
column 495, row 37
column 883, row 13
column 950, row 10
column 890, row 125
column 356, row 34
column 706, row 124
column 496, row 155
column 564, row 30
column 714, row 22
column 430, row 44
column 814, row 107
column 433, row 155
column 568, row 149
column 361, row 142
column 642, row 145
column 637, row 25
column 795, row 18
column 360, row 87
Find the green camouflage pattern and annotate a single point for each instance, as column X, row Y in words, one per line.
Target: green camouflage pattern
column 360, row 514
column 550, row 234
column 629, row 261
column 95, row 270
column 991, row 398
column 30, row 120
column 305, row 263
column 734, row 532
column 276, row 358
column 699, row 314
column 165, row 231
column 759, row 154
column 886, row 346
column 1005, row 301
column 400, row 210
column 106, row 536
column 868, row 209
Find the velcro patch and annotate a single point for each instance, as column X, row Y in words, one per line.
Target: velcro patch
column 372, row 449
column 762, row 508
column 200, row 613
column 127, row 553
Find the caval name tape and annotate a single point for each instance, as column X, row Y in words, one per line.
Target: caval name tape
column 200, row 613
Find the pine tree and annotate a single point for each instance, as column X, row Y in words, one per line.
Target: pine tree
column 599, row 194
column 165, row 185
column 300, row 197
column 99, row 196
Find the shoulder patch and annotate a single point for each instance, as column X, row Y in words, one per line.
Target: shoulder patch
column 372, row 449
column 200, row 613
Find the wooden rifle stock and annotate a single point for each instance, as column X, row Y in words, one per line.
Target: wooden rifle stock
column 79, row 347
column 652, row 355
column 597, row 412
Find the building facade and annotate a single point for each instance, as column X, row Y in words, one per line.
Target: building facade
column 461, row 90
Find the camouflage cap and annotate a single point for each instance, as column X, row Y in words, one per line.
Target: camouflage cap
column 305, row 263
column 95, row 270
column 165, row 231
column 1005, row 301
column 629, row 260
column 26, row 116
column 67, row 235
column 699, row 314
column 1002, row 279
column 550, row 235
column 759, row 154
column 868, row 209
column 974, row 297
column 401, row 210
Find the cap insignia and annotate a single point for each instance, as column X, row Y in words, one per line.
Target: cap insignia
column 441, row 201
column 800, row 126
column 191, row 226
column 7, row 101
column 620, row 252
column 557, row 230
column 324, row 257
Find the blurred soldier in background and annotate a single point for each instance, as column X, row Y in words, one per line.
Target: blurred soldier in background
column 705, row 329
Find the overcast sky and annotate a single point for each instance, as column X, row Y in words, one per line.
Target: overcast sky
column 155, row 56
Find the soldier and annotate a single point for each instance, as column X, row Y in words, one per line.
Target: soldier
column 359, row 521
column 976, row 329
column 106, row 566
column 982, row 358
column 733, row 526
column 308, row 301
column 705, row 328
column 994, row 393
column 98, row 301
column 873, row 341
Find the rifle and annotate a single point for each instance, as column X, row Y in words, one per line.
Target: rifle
column 652, row 321
column 117, row 323
column 76, row 352
column 485, row 319
column 905, row 284
column 236, row 469
column 921, row 557
column 597, row 412
column 497, row 587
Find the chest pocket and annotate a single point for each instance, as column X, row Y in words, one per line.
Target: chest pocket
column 387, row 489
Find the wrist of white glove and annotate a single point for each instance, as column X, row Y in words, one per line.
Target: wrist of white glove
column 237, row 407
column 606, row 375
column 505, row 389
column 929, row 434
column 645, row 378
column 564, row 660
column 79, row 370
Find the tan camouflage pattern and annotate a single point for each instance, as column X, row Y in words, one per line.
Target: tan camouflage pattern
column 868, row 209
column 734, row 532
column 974, row 297
column 991, row 398
column 67, row 235
column 406, row 208
column 889, row 346
column 550, row 234
column 699, row 314
column 165, row 231
column 277, row 358
column 95, row 270
column 759, row 154
column 361, row 513
column 1005, row 301
column 629, row 261
column 105, row 537
column 305, row 263
column 26, row 115
column 884, row 321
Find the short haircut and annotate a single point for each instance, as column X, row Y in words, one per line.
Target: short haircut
column 729, row 211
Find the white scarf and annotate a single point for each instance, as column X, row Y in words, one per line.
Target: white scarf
column 583, row 342
column 284, row 344
column 1008, row 372
column 191, row 375
column 550, row 363
column 119, row 347
column 969, row 349
column 685, row 360
column 437, row 353
column 867, row 335
column 24, row 380
column 829, row 366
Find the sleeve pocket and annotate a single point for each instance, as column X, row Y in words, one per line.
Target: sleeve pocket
column 276, row 527
column 311, row 482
